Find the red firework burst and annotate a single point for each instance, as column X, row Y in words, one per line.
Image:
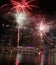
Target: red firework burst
column 23, row 6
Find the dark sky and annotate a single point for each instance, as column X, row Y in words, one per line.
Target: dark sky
column 48, row 6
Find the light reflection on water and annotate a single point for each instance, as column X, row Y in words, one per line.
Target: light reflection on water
column 16, row 59
column 7, row 59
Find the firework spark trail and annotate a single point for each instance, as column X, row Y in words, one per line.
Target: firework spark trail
column 4, row 5
column 18, row 37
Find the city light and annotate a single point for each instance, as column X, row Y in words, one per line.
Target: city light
column 39, row 52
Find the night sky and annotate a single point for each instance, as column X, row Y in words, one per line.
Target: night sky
column 46, row 7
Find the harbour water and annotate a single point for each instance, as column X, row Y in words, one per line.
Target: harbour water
column 16, row 59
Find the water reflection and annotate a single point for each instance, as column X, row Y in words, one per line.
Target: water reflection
column 7, row 58
column 16, row 59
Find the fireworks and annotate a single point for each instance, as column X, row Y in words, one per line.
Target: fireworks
column 20, row 6
column 21, row 10
column 43, row 28
column 21, row 19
